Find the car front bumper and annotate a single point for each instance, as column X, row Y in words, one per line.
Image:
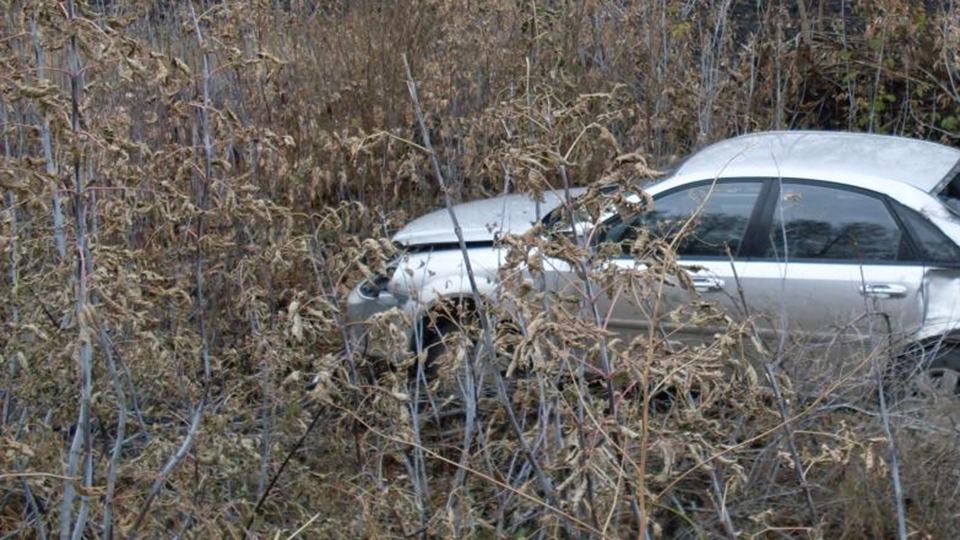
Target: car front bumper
column 378, row 325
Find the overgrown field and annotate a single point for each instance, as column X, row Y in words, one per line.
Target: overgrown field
column 190, row 189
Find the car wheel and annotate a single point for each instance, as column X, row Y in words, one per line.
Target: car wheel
column 438, row 380
column 933, row 394
column 941, row 379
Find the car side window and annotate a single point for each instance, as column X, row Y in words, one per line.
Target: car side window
column 710, row 217
column 823, row 223
column 933, row 245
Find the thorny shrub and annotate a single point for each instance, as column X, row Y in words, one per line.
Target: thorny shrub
column 191, row 188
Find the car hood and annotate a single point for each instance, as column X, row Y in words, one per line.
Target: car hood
column 482, row 220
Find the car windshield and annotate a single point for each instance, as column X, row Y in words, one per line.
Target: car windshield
column 584, row 214
column 557, row 221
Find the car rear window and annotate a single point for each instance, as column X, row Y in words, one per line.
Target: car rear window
column 950, row 195
column 816, row 222
column 932, row 244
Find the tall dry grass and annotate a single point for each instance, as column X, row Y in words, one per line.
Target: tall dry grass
column 189, row 190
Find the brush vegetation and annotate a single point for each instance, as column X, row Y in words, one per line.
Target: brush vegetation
column 191, row 188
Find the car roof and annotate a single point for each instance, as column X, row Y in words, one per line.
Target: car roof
column 849, row 158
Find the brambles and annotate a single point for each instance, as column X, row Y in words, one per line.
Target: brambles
column 226, row 166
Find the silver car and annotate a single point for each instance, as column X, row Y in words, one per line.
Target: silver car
column 838, row 238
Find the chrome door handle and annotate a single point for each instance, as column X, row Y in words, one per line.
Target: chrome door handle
column 707, row 284
column 883, row 290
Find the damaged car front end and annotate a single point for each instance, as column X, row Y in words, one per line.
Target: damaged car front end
column 429, row 268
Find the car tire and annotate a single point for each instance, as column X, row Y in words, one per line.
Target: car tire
column 448, row 346
column 931, row 396
column 942, row 375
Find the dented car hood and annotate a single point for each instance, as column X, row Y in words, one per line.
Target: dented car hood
column 483, row 220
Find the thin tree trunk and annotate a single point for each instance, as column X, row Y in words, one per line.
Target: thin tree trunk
column 545, row 483
column 202, row 202
column 114, row 463
column 46, row 139
column 81, row 447
column 13, row 272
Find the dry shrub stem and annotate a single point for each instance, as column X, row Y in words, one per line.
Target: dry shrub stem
column 480, row 474
column 13, row 273
column 902, row 533
column 328, row 286
column 769, row 366
column 50, row 161
column 248, row 525
column 546, row 485
column 113, row 465
column 200, row 301
column 322, row 275
column 636, row 503
column 35, row 511
column 792, row 444
column 81, row 448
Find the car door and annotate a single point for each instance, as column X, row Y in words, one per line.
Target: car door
column 706, row 224
column 833, row 267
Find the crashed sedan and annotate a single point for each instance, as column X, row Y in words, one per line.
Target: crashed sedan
column 819, row 234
